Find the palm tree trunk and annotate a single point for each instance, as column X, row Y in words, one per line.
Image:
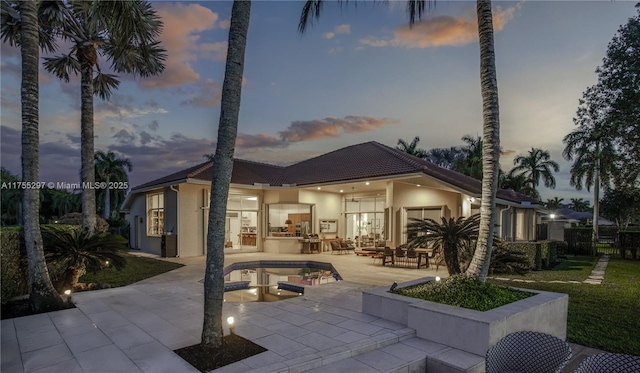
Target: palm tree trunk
column 107, row 201
column 479, row 266
column 87, row 169
column 223, row 164
column 43, row 295
column 596, row 204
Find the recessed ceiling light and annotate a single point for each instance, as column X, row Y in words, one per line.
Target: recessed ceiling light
column 319, row 188
column 417, row 185
column 367, row 183
column 341, row 191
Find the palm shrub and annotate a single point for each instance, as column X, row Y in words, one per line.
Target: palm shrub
column 454, row 236
column 77, row 251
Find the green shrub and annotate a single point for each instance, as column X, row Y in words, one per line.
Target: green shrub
column 75, row 218
column 548, row 253
column 465, row 292
column 561, row 248
column 531, row 250
column 505, row 261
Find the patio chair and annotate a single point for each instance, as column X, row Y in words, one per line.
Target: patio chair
column 400, row 255
column 388, row 256
column 609, row 363
column 527, row 351
column 412, row 256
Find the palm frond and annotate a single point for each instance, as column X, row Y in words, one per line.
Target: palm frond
column 62, row 66
column 104, row 84
column 310, row 10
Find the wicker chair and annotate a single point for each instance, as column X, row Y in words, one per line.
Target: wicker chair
column 530, row 352
column 609, row 363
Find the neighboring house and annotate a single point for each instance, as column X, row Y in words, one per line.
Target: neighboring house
column 365, row 192
column 564, row 218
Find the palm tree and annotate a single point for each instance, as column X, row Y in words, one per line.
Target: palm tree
column 124, row 32
column 223, row 164
column 78, row 251
column 491, row 121
column 21, row 27
column 518, row 183
column 444, row 157
column 555, row 203
column 580, row 205
column 452, row 235
column 470, row 163
column 64, row 202
column 536, row 165
column 591, row 149
column 412, row 148
column 109, row 168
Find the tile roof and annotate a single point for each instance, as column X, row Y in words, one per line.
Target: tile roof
column 355, row 162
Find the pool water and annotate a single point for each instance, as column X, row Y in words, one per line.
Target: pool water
column 270, row 281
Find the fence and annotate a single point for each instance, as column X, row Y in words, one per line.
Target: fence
column 620, row 244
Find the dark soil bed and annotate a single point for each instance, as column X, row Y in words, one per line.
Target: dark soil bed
column 19, row 308
column 234, row 348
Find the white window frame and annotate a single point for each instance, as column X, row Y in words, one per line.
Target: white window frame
column 155, row 212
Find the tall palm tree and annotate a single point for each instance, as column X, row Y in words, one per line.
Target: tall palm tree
column 592, row 150
column 24, row 16
column 555, row 203
column 223, row 164
column 412, row 147
column 518, row 183
column 491, row 120
column 580, row 205
column 109, row 168
column 536, row 165
column 124, row 32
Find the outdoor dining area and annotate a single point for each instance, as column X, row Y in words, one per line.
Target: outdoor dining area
column 402, row 256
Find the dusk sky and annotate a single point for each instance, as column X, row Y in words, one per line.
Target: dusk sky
column 358, row 74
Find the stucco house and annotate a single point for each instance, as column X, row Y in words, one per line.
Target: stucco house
column 364, row 192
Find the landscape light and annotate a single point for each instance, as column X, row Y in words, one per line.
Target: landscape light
column 230, row 321
column 552, row 216
column 437, row 278
column 67, row 292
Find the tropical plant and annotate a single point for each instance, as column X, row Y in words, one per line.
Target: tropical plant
column 110, row 169
column 580, row 205
column 591, row 148
column 412, row 147
column 64, row 202
column 491, row 120
column 470, row 161
column 555, row 203
column 223, row 164
column 124, row 32
column 75, row 218
column 79, row 251
column 444, row 157
column 452, row 235
column 20, row 26
column 518, row 183
column 536, row 165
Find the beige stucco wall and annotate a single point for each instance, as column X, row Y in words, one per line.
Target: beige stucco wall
column 146, row 243
column 191, row 220
column 327, row 206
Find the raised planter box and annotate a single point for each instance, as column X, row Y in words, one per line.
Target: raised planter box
column 465, row 329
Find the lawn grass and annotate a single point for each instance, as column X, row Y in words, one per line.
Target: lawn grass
column 603, row 316
column 137, row 269
column 576, row 268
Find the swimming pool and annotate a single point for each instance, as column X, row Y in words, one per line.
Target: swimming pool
column 274, row 280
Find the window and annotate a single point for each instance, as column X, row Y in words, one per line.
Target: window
column 155, row 214
column 289, row 220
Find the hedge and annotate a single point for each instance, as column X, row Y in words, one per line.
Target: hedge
column 13, row 256
column 541, row 254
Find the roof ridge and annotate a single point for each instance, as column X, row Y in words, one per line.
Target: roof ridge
column 201, row 168
column 259, row 163
column 399, row 154
column 331, row 152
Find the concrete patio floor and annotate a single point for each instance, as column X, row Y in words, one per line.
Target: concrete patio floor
column 135, row 328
